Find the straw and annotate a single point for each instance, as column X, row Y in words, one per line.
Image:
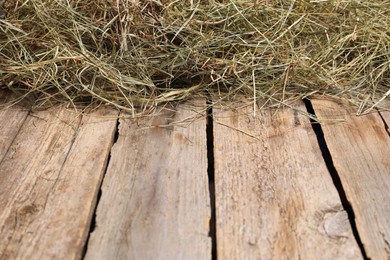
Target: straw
column 137, row 53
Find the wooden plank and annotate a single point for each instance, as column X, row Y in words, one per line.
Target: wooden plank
column 155, row 199
column 274, row 196
column 49, row 181
column 360, row 148
column 11, row 120
column 386, row 117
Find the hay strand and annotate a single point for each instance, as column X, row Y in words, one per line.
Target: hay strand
column 132, row 53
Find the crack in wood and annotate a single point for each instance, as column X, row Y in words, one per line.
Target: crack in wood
column 385, row 123
column 211, row 177
column 99, row 195
column 335, row 176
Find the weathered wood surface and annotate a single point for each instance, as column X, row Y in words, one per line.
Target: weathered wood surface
column 11, row 120
column 386, row 117
column 360, row 149
column 49, row 180
column 155, row 199
column 274, row 196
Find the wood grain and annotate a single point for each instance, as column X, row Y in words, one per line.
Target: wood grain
column 49, row 181
column 274, row 196
column 360, row 149
column 155, row 201
column 386, row 117
column 11, row 120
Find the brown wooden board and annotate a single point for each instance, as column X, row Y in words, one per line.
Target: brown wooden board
column 275, row 198
column 49, row 181
column 360, row 149
column 386, row 117
column 11, row 120
column 155, row 200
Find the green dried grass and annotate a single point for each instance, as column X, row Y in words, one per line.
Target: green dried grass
column 141, row 53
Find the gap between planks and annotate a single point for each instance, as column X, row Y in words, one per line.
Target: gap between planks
column 48, row 183
column 386, row 119
column 155, row 199
column 360, row 148
column 274, row 195
column 282, row 245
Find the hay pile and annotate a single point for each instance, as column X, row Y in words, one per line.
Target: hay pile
column 143, row 52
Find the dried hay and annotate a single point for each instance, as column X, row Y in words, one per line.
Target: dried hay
column 145, row 52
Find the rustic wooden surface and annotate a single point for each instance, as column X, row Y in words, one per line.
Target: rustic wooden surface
column 11, row 120
column 360, row 149
column 386, row 117
column 274, row 196
column 155, row 200
column 48, row 183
